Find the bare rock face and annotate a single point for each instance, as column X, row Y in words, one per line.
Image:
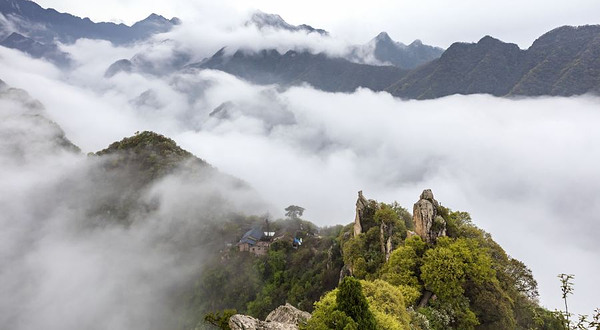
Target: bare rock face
column 244, row 322
column 385, row 239
column 428, row 224
column 288, row 314
column 389, row 247
column 344, row 272
column 361, row 205
column 285, row 317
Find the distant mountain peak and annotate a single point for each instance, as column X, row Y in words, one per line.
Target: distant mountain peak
column 489, row 40
column 158, row 18
column 417, row 42
column 46, row 25
column 36, row 49
column 15, row 37
column 566, row 33
column 155, row 16
column 384, row 37
column 261, row 20
column 159, row 22
column 385, row 50
column 261, row 16
column 264, row 20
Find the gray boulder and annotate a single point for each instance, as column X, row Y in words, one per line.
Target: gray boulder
column 285, row 317
column 288, row 314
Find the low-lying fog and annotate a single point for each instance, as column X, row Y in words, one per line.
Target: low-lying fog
column 526, row 169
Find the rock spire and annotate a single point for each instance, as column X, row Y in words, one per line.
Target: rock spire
column 428, row 224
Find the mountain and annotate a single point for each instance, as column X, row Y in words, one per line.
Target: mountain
column 399, row 263
column 489, row 66
column 149, row 155
column 159, row 58
column 35, row 49
column 142, row 197
column 562, row 62
column 165, row 57
column 263, row 20
column 26, row 131
column 292, row 68
column 48, row 25
column 384, row 50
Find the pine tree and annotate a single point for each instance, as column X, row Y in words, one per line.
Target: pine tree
column 352, row 301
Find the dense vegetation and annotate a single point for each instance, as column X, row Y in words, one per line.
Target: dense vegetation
column 463, row 281
column 473, row 283
column 148, row 155
column 257, row 285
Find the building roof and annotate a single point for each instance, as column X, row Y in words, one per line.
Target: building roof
column 252, row 236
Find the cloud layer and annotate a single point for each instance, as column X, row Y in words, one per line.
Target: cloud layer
column 67, row 264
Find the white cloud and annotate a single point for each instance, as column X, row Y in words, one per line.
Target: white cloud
column 526, row 169
column 64, row 265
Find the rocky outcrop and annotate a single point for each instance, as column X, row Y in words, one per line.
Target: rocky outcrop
column 386, row 231
column 286, row 317
column 288, row 314
column 244, row 322
column 361, row 205
column 345, row 271
column 364, row 220
column 389, row 247
column 428, row 224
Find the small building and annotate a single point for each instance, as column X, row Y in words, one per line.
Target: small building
column 296, row 243
column 255, row 241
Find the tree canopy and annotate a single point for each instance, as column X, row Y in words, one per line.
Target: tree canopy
column 294, row 211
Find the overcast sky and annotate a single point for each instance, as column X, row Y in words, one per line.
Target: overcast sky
column 436, row 22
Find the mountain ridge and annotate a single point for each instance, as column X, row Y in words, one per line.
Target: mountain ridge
column 384, row 50
column 50, row 25
column 561, row 62
column 294, row 68
column 263, row 20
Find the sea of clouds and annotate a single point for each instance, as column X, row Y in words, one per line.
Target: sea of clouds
column 526, row 169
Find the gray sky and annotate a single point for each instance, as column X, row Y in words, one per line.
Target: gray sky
column 436, row 22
